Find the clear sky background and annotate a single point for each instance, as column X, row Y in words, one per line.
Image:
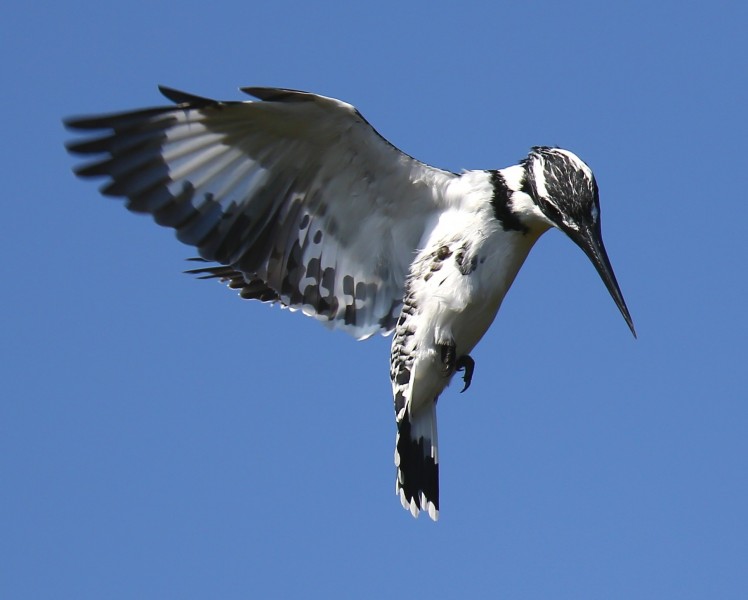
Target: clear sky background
column 160, row 438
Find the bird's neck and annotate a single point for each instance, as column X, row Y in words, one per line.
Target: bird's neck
column 513, row 203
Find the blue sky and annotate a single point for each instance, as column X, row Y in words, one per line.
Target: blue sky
column 160, row 438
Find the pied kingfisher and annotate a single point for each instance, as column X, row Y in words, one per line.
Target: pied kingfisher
column 297, row 200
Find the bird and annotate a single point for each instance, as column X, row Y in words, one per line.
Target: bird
column 293, row 198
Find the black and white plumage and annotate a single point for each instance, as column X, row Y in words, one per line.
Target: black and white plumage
column 295, row 199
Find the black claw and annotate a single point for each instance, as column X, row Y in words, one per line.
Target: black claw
column 467, row 364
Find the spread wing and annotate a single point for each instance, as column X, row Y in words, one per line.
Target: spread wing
column 296, row 197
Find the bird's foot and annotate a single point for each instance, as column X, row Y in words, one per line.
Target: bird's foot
column 449, row 358
column 467, row 364
column 452, row 363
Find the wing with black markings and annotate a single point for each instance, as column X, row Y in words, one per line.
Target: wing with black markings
column 296, row 196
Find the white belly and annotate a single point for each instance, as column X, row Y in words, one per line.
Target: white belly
column 455, row 307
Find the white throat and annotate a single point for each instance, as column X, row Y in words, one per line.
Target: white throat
column 520, row 203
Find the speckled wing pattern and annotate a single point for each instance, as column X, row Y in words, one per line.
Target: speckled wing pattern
column 295, row 197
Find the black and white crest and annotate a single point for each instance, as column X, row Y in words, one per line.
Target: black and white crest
column 562, row 186
column 295, row 199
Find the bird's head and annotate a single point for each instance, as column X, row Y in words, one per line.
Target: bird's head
column 563, row 193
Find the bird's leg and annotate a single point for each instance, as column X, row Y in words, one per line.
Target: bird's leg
column 466, row 363
column 452, row 363
column 449, row 357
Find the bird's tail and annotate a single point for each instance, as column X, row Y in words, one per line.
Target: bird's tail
column 417, row 460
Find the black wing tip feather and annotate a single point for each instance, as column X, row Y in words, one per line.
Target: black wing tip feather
column 271, row 94
column 251, row 288
column 181, row 99
column 184, row 98
column 112, row 120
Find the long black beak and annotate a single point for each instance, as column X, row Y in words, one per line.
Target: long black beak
column 590, row 240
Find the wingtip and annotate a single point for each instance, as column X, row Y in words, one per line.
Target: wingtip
column 184, row 98
column 271, row 94
column 80, row 122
